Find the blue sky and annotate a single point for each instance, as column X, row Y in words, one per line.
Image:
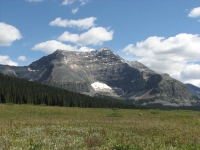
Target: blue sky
column 163, row 35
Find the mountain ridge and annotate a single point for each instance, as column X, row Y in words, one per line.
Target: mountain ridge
column 80, row 71
column 194, row 89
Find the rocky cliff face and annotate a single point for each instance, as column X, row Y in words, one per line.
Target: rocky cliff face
column 102, row 71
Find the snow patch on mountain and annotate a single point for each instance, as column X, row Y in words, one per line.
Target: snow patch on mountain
column 30, row 70
column 98, row 86
column 15, row 74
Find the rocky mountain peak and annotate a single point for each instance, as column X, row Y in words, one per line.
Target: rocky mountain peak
column 105, row 49
column 102, row 71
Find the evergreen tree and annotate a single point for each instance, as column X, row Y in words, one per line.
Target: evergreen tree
column 20, row 91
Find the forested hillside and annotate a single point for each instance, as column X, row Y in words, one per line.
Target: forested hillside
column 20, row 91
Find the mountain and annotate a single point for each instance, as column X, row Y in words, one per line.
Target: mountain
column 104, row 72
column 194, row 89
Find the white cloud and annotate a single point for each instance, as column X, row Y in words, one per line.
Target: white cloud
column 75, row 10
column 22, row 58
column 195, row 82
column 80, row 23
column 51, row 46
column 191, row 71
column 86, row 49
column 66, row 36
column 94, row 36
column 191, row 74
column 8, row 34
column 195, row 12
column 176, row 55
column 68, row 2
column 5, row 60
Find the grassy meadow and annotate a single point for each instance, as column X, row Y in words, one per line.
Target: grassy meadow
column 41, row 127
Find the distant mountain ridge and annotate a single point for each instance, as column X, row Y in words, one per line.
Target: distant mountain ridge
column 102, row 71
column 195, row 90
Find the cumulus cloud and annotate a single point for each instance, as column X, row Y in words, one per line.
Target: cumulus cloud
column 191, row 74
column 94, row 36
column 52, row 45
column 86, row 49
column 194, row 82
column 8, row 34
column 191, row 71
column 80, row 23
column 68, row 2
column 66, row 36
column 5, row 60
column 175, row 55
column 195, row 12
column 22, row 58
column 75, row 10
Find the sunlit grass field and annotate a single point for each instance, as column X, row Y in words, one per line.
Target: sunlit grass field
column 42, row 127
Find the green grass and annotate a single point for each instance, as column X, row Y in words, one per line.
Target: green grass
column 41, row 127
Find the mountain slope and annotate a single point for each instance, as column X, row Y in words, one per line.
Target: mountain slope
column 104, row 72
column 194, row 89
column 21, row 91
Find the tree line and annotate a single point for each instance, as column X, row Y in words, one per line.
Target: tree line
column 20, row 91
